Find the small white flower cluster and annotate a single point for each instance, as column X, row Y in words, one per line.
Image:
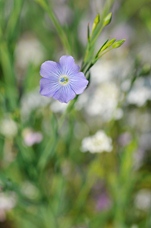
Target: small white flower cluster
column 97, row 143
column 139, row 96
column 105, row 101
column 140, row 93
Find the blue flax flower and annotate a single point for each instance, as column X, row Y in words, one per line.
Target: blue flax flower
column 62, row 80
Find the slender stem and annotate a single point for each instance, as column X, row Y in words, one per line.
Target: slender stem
column 63, row 37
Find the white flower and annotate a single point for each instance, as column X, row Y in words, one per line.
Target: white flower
column 139, row 96
column 28, row 50
column 140, row 93
column 108, row 69
column 104, row 102
column 97, row 143
column 143, row 199
column 103, row 71
column 30, row 190
column 8, row 127
column 6, row 204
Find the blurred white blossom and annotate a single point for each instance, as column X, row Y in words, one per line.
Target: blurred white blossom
column 104, row 102
column 104, row 93
column 30, row 190
column 97, row 143
column 6, row 204
column 8, row 127
column 111, row 67
column 125, row 85
column 139, row 96
column 140, row 93
column 143, row 199
column 28, row 50
column 103, row 71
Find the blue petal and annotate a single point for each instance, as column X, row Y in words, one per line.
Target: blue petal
column 68, row 65
column 50, row 69
column 48, row 87
column 78, row 82
column 64, row 94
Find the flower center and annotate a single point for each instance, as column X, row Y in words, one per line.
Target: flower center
column 63, row 80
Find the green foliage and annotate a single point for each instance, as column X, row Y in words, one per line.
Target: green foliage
column 45, row 178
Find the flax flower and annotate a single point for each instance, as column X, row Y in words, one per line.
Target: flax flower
column 63, row 80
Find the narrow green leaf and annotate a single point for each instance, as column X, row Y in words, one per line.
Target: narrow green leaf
column 88, row 33
column 14, row 19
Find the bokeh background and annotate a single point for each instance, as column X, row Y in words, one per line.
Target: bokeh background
column 95, row 170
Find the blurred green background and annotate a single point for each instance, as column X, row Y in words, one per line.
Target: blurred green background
column 61, row 174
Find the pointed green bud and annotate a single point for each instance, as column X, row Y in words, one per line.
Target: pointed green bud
column 107, row 20
column 107, row 44
column 118, row 43
column 96, row 22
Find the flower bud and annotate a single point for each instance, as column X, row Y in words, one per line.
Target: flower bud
column 107, row 44
column 107, row 20
column 118, row 43
column 96, row 22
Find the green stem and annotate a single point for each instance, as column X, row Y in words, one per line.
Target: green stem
column 60, row 31
column 9, row 75
column 14, row 19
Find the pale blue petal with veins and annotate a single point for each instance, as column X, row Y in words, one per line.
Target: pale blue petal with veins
column 63, row 80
